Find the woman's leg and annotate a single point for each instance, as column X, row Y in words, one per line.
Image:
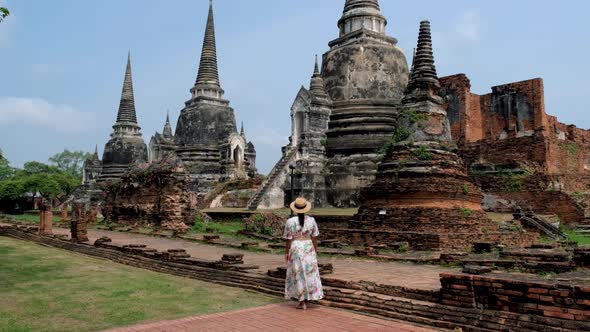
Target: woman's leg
column 302, row 305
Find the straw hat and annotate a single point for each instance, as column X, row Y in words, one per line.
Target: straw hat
column 300, row 205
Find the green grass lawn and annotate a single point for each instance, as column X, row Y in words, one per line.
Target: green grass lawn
column 32, row 218
column 286, row 212
column 574, row 236
column 230, row 228
column 47, row 289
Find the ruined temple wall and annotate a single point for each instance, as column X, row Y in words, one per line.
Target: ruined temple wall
column 151, row 203
column 544, row 194
column 510, row 124
column 532, row 149
column 514, row 109
column 463, row 108
column 569, row 150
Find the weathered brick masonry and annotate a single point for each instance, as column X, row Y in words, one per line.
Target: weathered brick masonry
column 508, row 131
column 156, row 195
column 564, row 300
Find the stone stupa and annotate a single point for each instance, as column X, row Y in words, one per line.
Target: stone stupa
column 422, row 194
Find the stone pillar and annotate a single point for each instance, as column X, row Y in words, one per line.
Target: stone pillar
column 63, row 213
column 41, row 219
column 78, row 227
column 93, row 215
column 45, row 219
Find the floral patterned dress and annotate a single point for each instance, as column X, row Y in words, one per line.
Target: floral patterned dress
column 303, row 276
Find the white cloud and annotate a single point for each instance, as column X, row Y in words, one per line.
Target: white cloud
column 41, row 113
column 469, row 25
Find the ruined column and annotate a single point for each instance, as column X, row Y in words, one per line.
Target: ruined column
column 45, row 219
column 93, row 215
column 63, row 213
column 78, row 227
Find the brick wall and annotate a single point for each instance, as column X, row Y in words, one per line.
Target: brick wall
column 544, row 194
column 162, row 198
column 565, row 300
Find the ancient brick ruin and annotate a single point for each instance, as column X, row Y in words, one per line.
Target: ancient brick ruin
column 45, row 218
column 517, row 154
column 486, row 302
column 206, row 142
column 422, row 194
column 93, row 214
column 334, row 141
column 206, row 138
column 79, row 223
column 515, row 151
column 63, row 213
column 158, row 195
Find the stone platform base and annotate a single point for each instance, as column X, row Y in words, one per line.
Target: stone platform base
column 428, row 241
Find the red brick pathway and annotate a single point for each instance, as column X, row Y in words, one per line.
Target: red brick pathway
column 425, row 277
column 278, row 317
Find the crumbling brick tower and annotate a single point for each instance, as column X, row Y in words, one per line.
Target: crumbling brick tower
column 422, row 193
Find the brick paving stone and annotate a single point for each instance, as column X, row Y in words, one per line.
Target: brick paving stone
column 409, row 275
column 279, row 317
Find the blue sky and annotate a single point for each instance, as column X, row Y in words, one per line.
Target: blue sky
column 63, row 60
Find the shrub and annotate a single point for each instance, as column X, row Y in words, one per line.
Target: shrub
column 573, row 149
column 466, row 190
column 415, row 117
column 400, row 135
column 423, row 153
column 514, row 227
column 266, row 223
column 465, row 213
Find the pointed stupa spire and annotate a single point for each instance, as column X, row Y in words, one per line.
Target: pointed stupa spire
column 207, row 87
column 242, row 131
column 423, row 68
column 95, row 155
column 424, row 83
column 126, row 112
column 316, row 87
column 316, row 68
column 208, row 72
column 361, row 14
column 167, row 127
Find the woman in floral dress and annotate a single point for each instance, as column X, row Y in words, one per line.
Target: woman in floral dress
column 303, row 277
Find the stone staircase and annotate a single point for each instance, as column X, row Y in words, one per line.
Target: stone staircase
column 272, row 177
column 541, row 224
column 583, row 230
column 112, row 172
column 582, row 200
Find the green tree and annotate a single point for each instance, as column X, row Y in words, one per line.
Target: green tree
column 70, row 161
column 43, row 184
column 3, row 13
column 11, row 189
column 6, row 171
column 37, row 178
